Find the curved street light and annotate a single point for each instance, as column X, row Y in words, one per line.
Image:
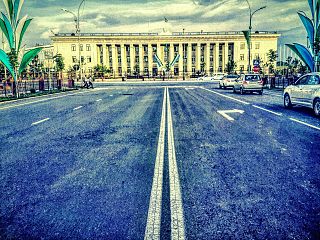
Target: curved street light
column 77, row 22
column 250, row 27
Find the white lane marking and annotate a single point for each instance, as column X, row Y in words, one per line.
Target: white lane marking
column 37, row 101
column 98, row 100
column 267, row 110
column 154, row 213
column 78, row 108
column 41, row 121
column 177, row 219
column 304, row 123
column 275, row 95
column 222, row 95
column 224, row 113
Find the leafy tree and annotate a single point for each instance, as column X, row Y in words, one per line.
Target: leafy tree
column 230, row 66
column 271, row 60
column 59, row 60
column 100, row 70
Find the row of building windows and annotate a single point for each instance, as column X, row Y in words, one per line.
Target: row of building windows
column 74, row 47
column 176, row 47
column 256, row 56
column 75, row 59
column 243, row 46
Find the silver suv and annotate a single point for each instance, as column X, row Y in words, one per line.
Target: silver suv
column 305, row 91
column 248, row 83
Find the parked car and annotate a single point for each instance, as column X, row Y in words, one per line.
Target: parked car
column 305, row 92
column 228, row 81
column 205, row 78
column 248, row 83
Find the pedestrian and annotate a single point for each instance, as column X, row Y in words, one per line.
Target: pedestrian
column 90, row 84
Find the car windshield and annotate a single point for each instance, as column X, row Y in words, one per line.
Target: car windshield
column 252, row 77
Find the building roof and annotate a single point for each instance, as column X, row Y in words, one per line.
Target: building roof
column 157, row 34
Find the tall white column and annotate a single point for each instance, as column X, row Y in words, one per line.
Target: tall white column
column 123, row 59
column 132, row 58
column 171, row 52
column 226, row 55
column 150, row 58
column 104, row 53
column 198, row 56
column 114, row 60
column 107, row 63
column 180, row 59
column 141, row 59
column 159, row 53
column 189, row 59
column 207, row 58
column 216, row 57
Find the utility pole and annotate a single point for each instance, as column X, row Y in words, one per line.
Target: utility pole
column 250, row 28
column 77, row 22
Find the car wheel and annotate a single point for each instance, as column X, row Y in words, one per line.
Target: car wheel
column 234, row 90
column 220, row 86
column 224, row 87
column 241, row 91
column 316, row 107
column 260, row 92
column 287, row 101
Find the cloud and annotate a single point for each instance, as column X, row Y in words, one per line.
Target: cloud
column 147, row 16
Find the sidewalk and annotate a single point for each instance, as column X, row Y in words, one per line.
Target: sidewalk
column 10, row 98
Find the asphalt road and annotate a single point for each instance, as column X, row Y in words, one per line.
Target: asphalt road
column 159, row 161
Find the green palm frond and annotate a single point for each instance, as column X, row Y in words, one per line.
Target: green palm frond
column 28, row 56
column 9, row 30
column 4, row 58
column 9, row 8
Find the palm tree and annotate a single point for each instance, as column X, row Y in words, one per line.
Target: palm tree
column 14, row 29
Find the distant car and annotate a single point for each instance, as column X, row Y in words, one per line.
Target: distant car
column 228, row 81
column 217, row 76
column 305, row 92
column 248, row 83
column 204, row 78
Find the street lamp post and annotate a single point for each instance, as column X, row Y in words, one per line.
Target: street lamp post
column 77, row 22
column 250, row 27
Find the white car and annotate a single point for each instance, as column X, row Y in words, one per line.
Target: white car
column 205, row 78
column 305, row 92
column 218, row 76
column 228, row 81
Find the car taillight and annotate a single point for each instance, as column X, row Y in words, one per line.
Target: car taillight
column 261, row 82
column 244, row 82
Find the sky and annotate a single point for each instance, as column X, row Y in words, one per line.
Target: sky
column 106, row 16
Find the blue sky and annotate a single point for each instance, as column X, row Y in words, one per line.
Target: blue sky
column 148, row 15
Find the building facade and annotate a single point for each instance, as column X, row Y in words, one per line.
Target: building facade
column 127, row 54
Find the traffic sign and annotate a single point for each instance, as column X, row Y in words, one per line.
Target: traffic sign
column 256, row 62
column 256, row 69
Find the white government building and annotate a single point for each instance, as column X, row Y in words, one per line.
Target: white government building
column 126, row 54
